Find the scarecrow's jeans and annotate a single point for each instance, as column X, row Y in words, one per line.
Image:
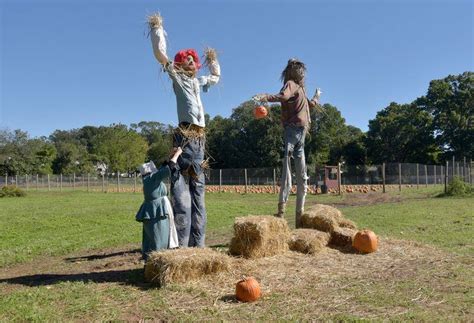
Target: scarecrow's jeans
column 294, row 146
column 188, row 198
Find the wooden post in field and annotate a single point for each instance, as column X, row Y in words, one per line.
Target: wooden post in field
column 417, row 175
column 220, row 180
column 49, row 184
column 37, row 182
column 26, row 182
column 118, row 181
column 435, row 181
column 88, row 181
column 470, row 172
column 61, row 182
column 454, row 167
column 426, row 176
column 274, row 181
column 245, row 173
column 383, row 177
column 446, row 178
column 134, row 182
column 400, row 177
column 441, row 174
column 16, row 180
column 74, row 181
column 6, row 179
column 339, row 178
column 464, row 169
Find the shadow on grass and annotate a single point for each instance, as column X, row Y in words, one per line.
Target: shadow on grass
column 102, row 256
column 132, row 277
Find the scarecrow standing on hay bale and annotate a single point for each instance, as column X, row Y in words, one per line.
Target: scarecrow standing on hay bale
column 188, row 187
column 295, row 118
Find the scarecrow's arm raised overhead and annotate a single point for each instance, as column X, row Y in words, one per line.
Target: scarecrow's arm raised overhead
column 158, row 40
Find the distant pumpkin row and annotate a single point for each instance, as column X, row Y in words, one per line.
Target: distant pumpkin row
column 268, row 189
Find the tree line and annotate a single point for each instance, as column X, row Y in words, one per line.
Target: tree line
column 429, row 130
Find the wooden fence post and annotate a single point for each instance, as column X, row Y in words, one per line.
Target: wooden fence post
column 220, row 180
column 446, row 178
column 426, row 176
column 49, row 184
column 339, row 178
column 88, row 182
column 417, row 175
column 383, row 177
column 400, row 177
column 434, row 169
column 274, row 181
column 245, row 173
column 37, row 182
column 61, row 183
column 134, row 182
column 118, row 181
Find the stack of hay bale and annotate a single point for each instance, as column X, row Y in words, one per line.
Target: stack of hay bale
column 330, row 220
column 254, row 237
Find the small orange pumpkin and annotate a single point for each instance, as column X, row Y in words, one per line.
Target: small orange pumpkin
column 247, row 290
column 365, row 241
column 260, row 112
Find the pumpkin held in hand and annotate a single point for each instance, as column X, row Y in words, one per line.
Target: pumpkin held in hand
column 247, row 290
column 260, row 112
column 365, row 241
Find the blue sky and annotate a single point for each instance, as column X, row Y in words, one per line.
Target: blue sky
column 67, row 64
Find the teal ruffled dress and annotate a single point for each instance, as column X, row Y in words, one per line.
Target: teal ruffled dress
column 153, row 212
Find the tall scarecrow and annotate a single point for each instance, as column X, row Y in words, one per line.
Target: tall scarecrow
column 188, row 185
column 295, row 118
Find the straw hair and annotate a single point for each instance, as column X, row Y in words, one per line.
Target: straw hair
column 182, row 265
column 259, row 236
column 210, row 55
column 342, row 237
column 155, row 20
column 308, row 241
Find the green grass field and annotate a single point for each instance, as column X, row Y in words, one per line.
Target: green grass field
column 40, row 230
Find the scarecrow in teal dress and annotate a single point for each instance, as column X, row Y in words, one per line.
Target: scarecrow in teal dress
column 156, row 213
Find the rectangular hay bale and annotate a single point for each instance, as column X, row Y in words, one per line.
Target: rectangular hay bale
column 259, row 236
column 181, row 265
column 319, row 222
column 308, row 240
column 342, row 237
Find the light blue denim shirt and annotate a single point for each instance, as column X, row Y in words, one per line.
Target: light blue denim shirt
column 188, row 95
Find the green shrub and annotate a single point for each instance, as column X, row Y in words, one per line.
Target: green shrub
column 11, row 191
column 459, row 188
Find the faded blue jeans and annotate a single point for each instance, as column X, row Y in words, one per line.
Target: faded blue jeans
column 294, row 146
column 188, row 194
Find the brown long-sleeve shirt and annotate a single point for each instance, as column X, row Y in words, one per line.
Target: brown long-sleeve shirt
column 294, row 104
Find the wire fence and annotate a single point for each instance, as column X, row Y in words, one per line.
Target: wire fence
column 394, row 174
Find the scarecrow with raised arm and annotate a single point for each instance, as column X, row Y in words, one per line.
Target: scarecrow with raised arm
column 188, row 186
column 295, row 118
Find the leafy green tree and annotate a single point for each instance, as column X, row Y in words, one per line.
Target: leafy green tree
column 72, row 154
column 328, row 136
column 402, row 133
column 122, row 149
column 21, row 155
column 242, row 141
column 158, row 137
column 450, row 101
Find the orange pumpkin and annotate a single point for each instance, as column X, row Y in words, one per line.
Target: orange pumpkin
column 260, row 112
column 365, row 241
column 247, row 290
